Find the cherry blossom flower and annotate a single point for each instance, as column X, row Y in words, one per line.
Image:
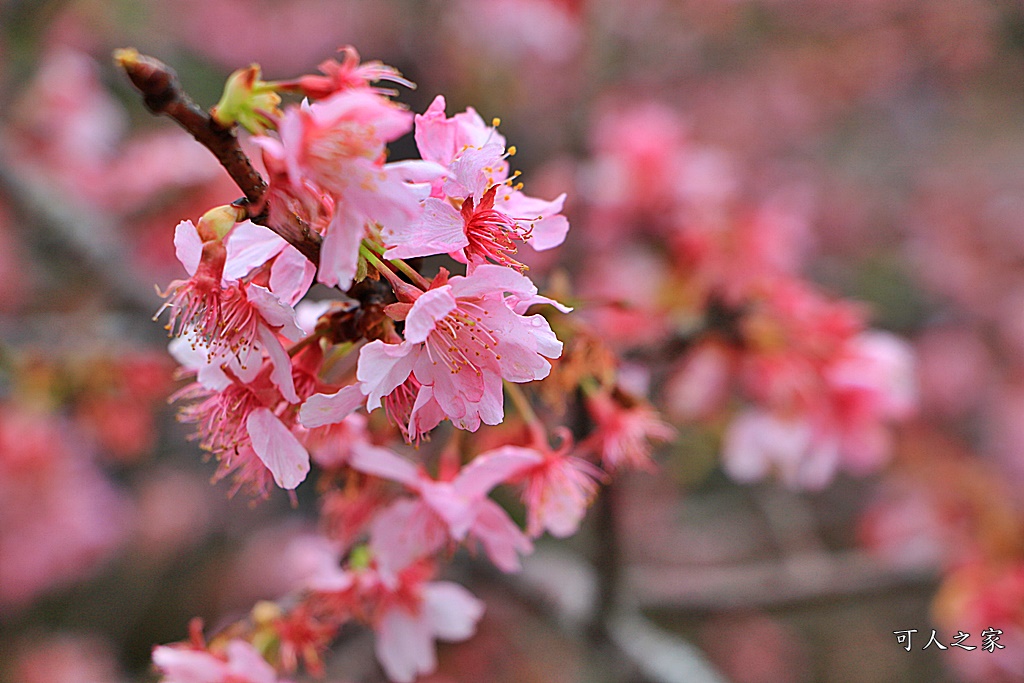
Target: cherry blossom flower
column 235, row 421
column 234, row 322
column 461, row 340
column 625, row 430
column 457, row 510
column 475, row 214
column 413, row 616
column 336, row 147
column 347, row 74
column 558, row 487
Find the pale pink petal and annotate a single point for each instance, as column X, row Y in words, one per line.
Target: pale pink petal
column 339, row 253
column 418, row 170
column 249, row 246
column 307, row 314
column 453, row 508
column 475, row 170
column 502, row 540
column 521, row 306
column 196, row 357
column 291, row 275
column 328, row 409
column 440, row 230
column 246, row 664
column 451, row 610
column 404, row 532
column 489, row 469
column 281, row 372
column 277, row 448
column 404, row 645
column 431, row 307
column 277, row 314
column 382, row 367
column 492, row 279
column 384, row 463
column 188, row 246
column 549, row 225
column 179, row 665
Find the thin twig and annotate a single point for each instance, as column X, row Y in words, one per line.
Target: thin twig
column 163, row 95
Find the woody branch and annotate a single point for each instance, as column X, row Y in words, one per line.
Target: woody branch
column 163, row 94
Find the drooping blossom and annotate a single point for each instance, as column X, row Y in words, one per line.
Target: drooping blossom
column 461, row 340
column 407, row 610
column 415, row 614
column 557, row 487
column 457, row 509
column 625, row 430
column 236, row 421
column 234, row 321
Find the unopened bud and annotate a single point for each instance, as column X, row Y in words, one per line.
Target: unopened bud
column 247, row 101
column 265, row 612
column 218, row 221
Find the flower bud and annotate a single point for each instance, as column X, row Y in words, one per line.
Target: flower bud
column 218, row 221
column 247, row 101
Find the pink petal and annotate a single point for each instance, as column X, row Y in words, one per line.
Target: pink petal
column 188, row 666
column 495, row 467
column 492, row 279
column 339, row 252
column 501, row 538
column 384, row 463
column 246, row 663
column 291, row 275
column 451, row 610
column 277, row 448
column 328, row 409
column 382, row 367
column 433, row 306
column 404, row 532
column 404, row 646
column 440, row 230
column 551, row 228
column 276, row 313
column 188, row 246
column 249, row 246
column 281, row 373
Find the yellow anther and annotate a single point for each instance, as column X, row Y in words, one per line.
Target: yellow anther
column 495, row 122
column 511, row 150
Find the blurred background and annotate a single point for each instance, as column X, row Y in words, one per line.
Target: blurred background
column 736, row 170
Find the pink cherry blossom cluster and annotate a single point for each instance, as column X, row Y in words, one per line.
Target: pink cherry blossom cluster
column 279, row 382
column 718, row 271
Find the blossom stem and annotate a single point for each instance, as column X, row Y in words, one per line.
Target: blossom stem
column 401, row 265
column 381, row 267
